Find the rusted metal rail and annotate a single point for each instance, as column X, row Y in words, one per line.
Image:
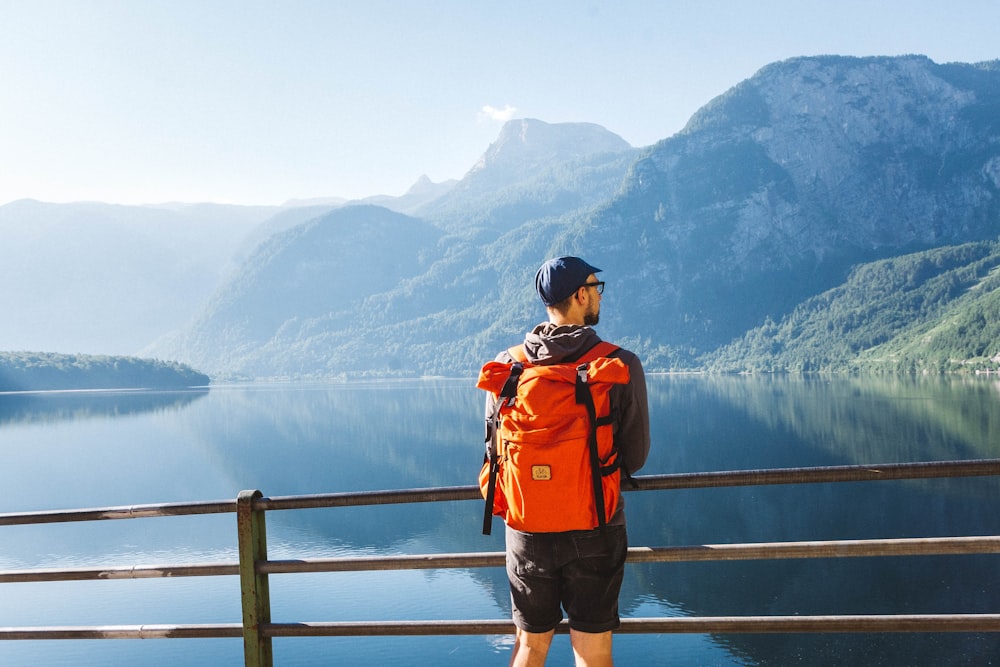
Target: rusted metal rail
column 253, row 566
column 930, row 546
column 682, row 625
column 675, row 625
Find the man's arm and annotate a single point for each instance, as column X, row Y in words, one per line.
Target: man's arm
column 632, row 437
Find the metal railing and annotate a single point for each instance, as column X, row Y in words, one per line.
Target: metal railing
column 253, row 565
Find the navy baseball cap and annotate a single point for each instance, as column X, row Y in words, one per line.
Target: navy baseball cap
column 558, row 278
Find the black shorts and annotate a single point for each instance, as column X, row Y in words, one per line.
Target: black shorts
column 580, row 570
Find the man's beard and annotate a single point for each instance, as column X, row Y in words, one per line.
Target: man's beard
column 591, row 319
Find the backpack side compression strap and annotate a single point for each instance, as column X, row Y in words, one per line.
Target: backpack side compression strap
column 507, row 393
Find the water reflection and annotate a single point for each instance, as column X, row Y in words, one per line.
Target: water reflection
column 744, row 423
column 422, row 435
column 297, row 439
column 35, row 407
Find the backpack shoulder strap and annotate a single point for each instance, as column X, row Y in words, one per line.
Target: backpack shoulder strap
column 602, row 349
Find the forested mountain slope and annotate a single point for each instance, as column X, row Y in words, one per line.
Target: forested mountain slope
column 32, row 371
column 937, row 310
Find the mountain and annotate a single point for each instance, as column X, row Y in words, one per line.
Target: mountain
column 721, row 245
column 365, row 290
column 771, row 196
column 308, row 290
column 533, row 170
column 932, row 311
column 297, row 211
column 527, row 146
column 108, row 279
column 777, row 188
column 420, row 193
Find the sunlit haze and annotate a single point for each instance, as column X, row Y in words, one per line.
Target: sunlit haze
column 252, row 102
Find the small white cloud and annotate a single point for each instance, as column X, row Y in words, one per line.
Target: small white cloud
column 492, row 113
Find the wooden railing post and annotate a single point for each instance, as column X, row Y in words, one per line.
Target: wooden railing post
column 254, row 590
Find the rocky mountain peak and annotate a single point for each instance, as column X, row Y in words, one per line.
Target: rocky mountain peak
column 528, row 142
column 425, row 187
column 812, row 155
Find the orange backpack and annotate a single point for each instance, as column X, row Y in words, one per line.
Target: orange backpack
column 551, row 464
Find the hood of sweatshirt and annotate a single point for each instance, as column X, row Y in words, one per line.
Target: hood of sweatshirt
column 548, row 343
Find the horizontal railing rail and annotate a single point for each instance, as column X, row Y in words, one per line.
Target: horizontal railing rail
column 254, row 567
column 696, row 480
column 875, row 623
column 930, row 546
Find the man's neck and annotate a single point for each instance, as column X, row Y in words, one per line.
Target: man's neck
column 564, row 319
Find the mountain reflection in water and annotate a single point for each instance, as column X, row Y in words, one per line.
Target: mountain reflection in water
column 305, row 439
column 46, row 406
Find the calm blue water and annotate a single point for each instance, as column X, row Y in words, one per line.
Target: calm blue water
column 100, row 449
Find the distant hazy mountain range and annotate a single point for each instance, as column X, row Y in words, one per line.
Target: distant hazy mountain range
column 827, row 213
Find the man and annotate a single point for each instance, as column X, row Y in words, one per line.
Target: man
column 581, row 571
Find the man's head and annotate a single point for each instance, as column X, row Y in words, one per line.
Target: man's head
column 570, row 290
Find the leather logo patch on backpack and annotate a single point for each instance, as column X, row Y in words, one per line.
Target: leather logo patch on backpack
column 541, row 473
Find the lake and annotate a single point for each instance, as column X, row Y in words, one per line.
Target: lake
column 76, row 450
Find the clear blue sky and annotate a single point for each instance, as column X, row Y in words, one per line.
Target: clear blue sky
column 251, row 102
